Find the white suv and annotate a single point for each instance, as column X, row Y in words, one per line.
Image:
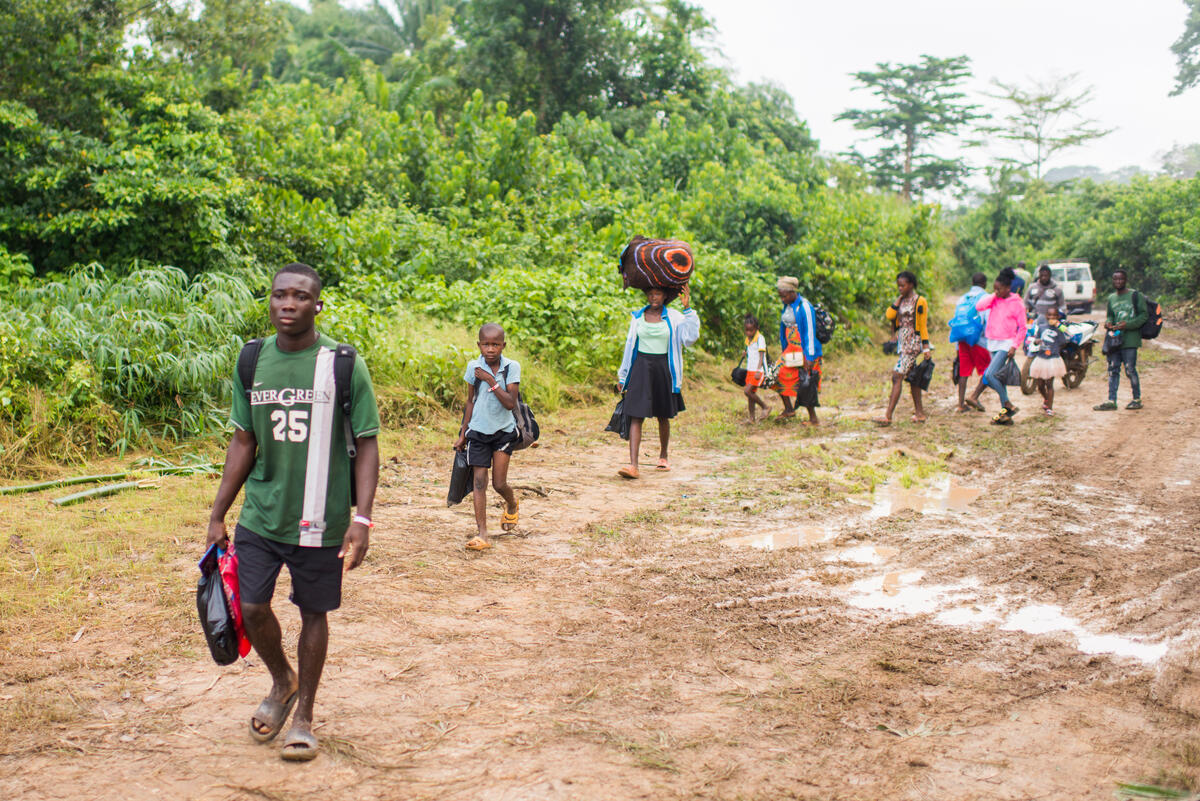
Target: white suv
column 1074, row 278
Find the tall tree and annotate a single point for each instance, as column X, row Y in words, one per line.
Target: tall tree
column 1044, row 118
column 556, row 57
column 1187, row 50
column 920, row 102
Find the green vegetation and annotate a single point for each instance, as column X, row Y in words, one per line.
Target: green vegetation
column 1148, row 227
column 433, row 185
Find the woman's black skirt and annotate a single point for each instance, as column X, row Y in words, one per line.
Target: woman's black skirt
column 648, row 390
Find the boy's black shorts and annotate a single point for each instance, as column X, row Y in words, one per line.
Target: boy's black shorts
column 316, row 572
column 480, row 447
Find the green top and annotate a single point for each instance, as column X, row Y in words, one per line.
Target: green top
column 653, row 338
column 298, row 491
column 1121, row 310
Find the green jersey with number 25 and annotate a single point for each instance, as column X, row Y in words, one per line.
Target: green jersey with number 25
column 298, row 491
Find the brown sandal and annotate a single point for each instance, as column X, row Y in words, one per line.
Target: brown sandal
column 478, row 544
column 630, row 472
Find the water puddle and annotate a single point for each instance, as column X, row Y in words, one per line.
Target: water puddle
column 778, row 540
column 901, row 591
column 863, row 555
column 1043, row 619
column 954, row 605
column 947, row 495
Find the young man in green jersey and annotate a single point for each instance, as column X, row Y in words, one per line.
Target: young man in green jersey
column 289, row 452
column 1126, row 317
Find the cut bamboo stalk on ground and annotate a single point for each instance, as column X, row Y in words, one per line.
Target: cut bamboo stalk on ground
column 99, row 492
column 69, row 482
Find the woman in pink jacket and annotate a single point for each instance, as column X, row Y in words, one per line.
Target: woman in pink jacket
column 1005, row 333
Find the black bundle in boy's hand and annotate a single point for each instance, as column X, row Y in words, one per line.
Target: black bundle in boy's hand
column 460, row 479
column 213, row 606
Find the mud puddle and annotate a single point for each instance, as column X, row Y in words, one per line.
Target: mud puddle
column 805, row 536
column 940, row 497
column 958, row 604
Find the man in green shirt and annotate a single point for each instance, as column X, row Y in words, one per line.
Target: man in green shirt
column 1127, row 313
column 289, row 451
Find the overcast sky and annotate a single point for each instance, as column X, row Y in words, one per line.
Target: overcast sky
column 1120, row 47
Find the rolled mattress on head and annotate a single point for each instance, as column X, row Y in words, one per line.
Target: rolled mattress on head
column 664, row 264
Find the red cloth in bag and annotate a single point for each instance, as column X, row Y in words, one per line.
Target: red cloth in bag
column 227, row 564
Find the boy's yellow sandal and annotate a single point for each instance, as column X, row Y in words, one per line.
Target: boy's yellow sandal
column 509, row 521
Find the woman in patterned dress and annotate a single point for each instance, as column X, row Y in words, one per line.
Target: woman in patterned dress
column 910, row 318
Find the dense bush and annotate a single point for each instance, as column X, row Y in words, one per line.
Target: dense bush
column 430, row 201
column 1148, row 227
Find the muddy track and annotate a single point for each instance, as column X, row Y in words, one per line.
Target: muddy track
column 619, row 648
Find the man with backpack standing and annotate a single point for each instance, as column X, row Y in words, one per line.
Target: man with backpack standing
column 304, row 446
column 1127, row 313
column 966, row 328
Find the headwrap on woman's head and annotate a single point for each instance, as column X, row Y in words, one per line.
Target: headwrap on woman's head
column 788, row 283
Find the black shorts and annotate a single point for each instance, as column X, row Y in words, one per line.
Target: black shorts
column 480, row 447
column 316, row 572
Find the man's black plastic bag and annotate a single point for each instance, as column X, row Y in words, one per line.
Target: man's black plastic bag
column 213, row 607
column 619, row 423
column 921, row 374
column 460, row 479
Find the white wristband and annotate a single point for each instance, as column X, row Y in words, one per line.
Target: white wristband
column 366, row 521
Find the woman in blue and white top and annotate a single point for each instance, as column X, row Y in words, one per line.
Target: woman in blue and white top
column 651, row 373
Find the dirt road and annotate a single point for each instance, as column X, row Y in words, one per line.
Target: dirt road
column 1018, row 623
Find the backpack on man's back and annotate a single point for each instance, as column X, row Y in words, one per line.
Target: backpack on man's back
column 1154, row 316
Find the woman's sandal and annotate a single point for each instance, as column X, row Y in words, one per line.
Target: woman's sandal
column 478, row 544
column 663, row 464
column 974, row 404
column 273, row 715
column 882, row 422
column 916, row 419
column 630, row 472
column 509, row 521
column 300, row 746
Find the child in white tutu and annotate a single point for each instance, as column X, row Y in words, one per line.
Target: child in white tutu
column 1047, row 361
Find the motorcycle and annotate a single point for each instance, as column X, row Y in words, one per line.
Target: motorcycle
column 1076, row 352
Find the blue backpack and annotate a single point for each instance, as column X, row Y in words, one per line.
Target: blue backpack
column 967, row 324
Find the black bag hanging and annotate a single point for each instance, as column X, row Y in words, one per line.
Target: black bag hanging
column 806, row 390
column 213, row 607
column 1009, row 373
column 619, row 423
column 460, row 479
column 920, row 374
column 738, row 374
column 954, row 374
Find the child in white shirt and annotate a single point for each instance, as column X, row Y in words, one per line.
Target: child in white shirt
column 756, row 362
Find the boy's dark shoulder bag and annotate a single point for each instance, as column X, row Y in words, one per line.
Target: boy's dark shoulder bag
column 528, row 430
column 343, row 374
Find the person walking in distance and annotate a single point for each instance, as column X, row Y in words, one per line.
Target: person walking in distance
column 289, row 451
column 1127, row 313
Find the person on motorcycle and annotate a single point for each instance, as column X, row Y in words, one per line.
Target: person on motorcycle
column 1044, row 295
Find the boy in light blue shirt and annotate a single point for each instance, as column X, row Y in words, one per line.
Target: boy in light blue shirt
column 489, row 430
